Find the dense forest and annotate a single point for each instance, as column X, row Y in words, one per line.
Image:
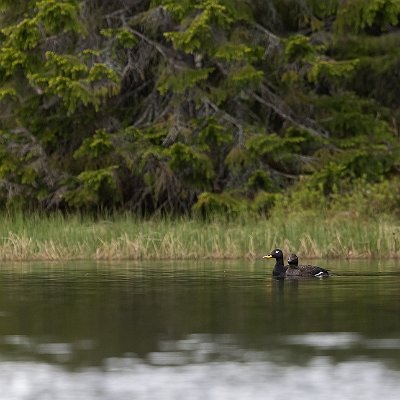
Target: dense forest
column 199, row 105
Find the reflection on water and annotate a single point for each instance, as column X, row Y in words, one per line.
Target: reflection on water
column 319, row 379
column 199, row 330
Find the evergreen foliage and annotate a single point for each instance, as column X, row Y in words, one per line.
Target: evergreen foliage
column 205, row 106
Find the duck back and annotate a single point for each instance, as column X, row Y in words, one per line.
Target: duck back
column 306, row 270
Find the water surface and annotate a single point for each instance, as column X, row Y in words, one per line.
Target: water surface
column 204, row 330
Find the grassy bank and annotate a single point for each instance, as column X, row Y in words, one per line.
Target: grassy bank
column 64, row 238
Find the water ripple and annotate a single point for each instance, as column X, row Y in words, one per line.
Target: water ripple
column 128, row 379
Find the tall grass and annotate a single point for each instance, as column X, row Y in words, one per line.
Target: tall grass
column 57, row 237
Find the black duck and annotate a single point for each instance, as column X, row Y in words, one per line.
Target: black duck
column 294, row 269
column 279, row 268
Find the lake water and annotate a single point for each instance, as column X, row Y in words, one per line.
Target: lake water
column 206, row 330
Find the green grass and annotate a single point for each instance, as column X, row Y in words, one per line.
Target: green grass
column 55, row 237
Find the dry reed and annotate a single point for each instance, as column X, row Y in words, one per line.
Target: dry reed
column 125, row 237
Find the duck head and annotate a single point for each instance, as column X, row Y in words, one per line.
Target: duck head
column 276, row 253
column 293, row 259
column 279, row 268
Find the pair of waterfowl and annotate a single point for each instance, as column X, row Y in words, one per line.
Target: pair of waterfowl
column 293, row 269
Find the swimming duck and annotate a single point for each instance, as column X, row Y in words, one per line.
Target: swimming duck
column 279, row 268
column 294, row 269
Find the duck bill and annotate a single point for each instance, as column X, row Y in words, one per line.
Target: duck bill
column 267, row 256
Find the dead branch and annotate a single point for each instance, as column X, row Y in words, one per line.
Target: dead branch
column 278, row 106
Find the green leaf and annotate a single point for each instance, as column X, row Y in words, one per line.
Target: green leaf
column 245, row 76
column 24, row 35
column 96, row 146
column 235, row 52
column 126, row 38
column 57, row 16
column 299, row 48
column 213, row 204
column 196, row 168
column 100, row 72
column 7, row 93
column 336, row 71
column 183, row 80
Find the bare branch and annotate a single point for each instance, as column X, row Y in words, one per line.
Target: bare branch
column 272, row 37
column 277, row 105
column 154, row 44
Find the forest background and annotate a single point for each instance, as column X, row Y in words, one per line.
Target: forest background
column 201, row 107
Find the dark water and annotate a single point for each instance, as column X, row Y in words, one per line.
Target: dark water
column 198, row 331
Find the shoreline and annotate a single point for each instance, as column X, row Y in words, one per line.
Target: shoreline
column 124, row 237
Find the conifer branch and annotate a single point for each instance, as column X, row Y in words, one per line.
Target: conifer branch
column 274, row 41
column 152, row 43
column 227, row 117
column 277, row 105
